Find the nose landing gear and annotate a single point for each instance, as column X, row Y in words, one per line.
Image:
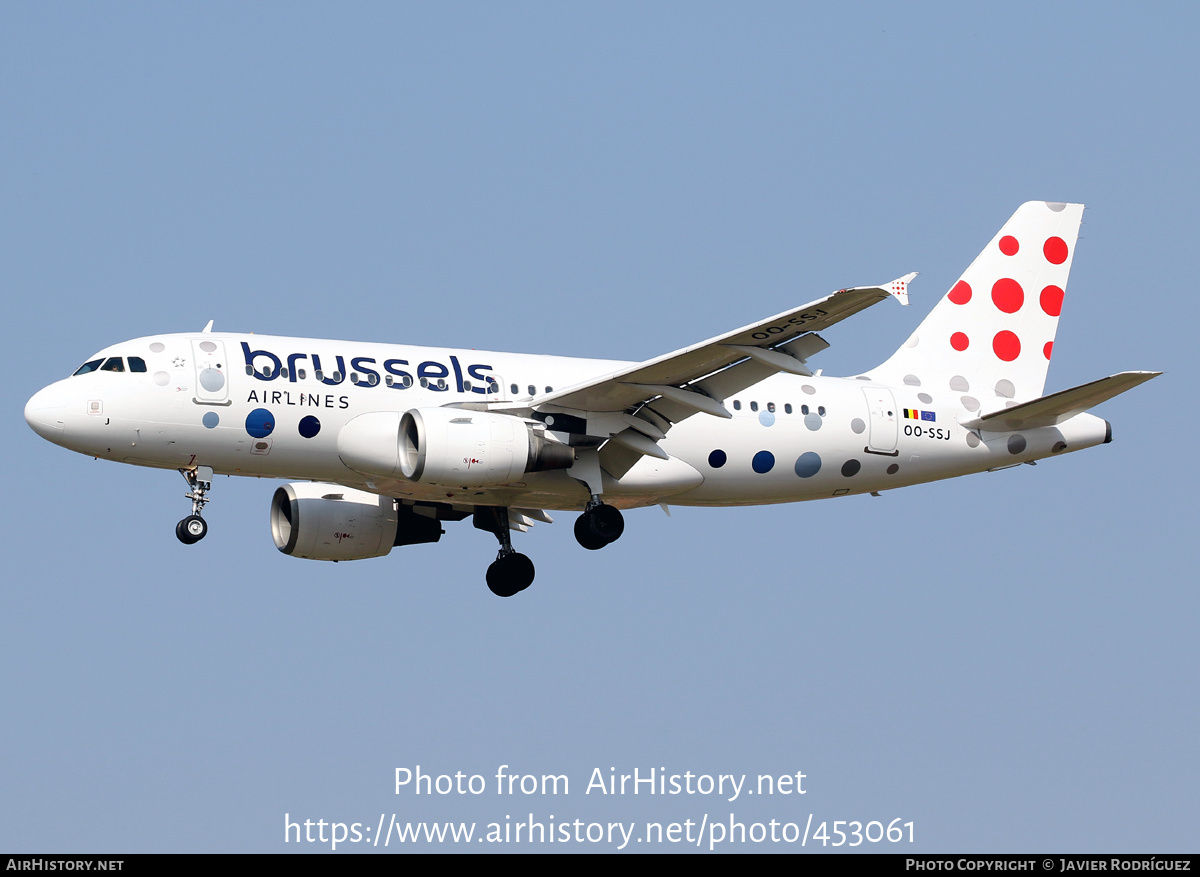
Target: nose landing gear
column 193, row 528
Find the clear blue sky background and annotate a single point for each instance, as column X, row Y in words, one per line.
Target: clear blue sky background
column 1008, row 660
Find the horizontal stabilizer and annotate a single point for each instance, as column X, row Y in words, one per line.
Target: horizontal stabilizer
column 1057, row 407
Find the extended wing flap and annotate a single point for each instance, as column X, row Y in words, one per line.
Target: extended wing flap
column 635, row 384
column 1057, row 407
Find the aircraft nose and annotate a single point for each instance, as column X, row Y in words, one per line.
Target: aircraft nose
column 46, row 412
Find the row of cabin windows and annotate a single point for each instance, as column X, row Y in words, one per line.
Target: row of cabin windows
column 137, row 364
column 112, row 364
column 440, row 384
column 787, row 408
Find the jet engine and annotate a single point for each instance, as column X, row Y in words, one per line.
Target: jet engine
column 329, row 522
column 450, row 446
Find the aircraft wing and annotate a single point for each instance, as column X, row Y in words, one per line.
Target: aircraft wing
column 697, row 378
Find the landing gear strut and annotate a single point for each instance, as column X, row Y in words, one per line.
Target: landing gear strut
column 599, row 525
column 511, row 572
column 193, row 528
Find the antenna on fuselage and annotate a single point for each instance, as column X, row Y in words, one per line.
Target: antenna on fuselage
column 207, row 328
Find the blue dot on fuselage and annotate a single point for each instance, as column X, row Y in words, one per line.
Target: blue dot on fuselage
column 808, row 465
column 763, row 462
column 260, row 423
column 766, row 418
column 717, row 459
column 309, row 426
column 210, row 419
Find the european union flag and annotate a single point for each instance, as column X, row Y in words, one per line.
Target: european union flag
column 928, row 415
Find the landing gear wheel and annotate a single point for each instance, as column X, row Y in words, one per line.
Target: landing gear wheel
column 599, row 526
column 191, row 529
column 607, row 522
column 510, row 574
column 584, row 535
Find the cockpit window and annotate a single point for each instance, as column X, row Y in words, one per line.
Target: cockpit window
column 89, row 366
column 112, row 364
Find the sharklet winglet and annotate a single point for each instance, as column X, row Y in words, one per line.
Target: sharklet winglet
column 899, row 287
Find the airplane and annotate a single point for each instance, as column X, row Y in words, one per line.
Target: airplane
column 384, row 443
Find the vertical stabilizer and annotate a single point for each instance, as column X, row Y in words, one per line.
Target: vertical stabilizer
column 992, row 334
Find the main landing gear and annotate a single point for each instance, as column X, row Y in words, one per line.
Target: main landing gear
column 511, row 572
column 599, row 525
column 193, row 528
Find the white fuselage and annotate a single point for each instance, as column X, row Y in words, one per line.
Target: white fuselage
column 273, row 407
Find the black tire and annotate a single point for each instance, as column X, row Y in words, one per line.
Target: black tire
column 606, row 523
column 584, row 535
column 191, row 529
column 510, row 574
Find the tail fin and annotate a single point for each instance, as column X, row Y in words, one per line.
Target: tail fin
column 992, row 334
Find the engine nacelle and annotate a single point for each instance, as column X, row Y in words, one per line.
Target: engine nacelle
column 330, row 522
column 475, row 448
column 450, row 446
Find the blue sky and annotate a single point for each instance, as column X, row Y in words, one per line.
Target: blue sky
column 1007, row 660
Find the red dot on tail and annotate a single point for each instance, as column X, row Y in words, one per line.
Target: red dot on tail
column 959, row 341
column 1055, row 250
column 1048, row 349
column 1008, row 295
column 1007, row 345
column 1051, row 300
column 961, row 294
column 1009, row 245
